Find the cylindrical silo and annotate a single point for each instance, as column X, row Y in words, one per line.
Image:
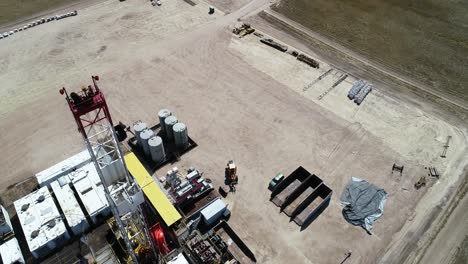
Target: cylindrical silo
column 180, row 135
column 169, row 122
column 156, row 148
column 162, row 114
column 138, row 127
column 145, row 135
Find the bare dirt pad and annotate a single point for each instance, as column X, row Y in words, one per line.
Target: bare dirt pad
column 425, row 40
column 462, row 253
column 228, row 6
column 240, row 100
column 399, row 127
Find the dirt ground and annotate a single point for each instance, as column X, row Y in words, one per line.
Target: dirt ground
column 241, row 100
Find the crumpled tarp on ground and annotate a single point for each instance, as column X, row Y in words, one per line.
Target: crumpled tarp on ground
column 364, row 203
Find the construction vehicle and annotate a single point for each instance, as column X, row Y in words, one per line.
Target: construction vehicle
column 277, row 179
column 231, row 174
column 420, row 183
column 243, row 30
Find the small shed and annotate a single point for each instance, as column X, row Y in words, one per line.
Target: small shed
column 213, row 211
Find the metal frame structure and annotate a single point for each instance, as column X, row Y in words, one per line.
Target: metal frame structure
column 89, row 108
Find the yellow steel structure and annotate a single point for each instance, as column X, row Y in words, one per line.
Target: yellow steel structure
column 137, row 170
column 155, row 195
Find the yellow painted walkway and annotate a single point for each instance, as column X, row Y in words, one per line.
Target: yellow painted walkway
column 155, row 195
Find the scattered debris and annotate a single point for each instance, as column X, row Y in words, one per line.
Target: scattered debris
column 211, row 10
column 311, row 62
column 294, row 53
column 222, row 192
column 156, row 3
column 433, row 172
column 397, row 168
column 274, row 44
column 347, row 256
column 317, row 80
column 446, row 146
column 420, row 183
column 260, row 35
column 342, row 78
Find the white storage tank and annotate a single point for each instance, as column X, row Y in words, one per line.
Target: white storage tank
column 156, row 147
column 162, row 114
column 138, row 127
column 180, row 135
column 145, row 135
column 169, row 122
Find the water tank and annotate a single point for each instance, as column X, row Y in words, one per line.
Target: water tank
column 180, row 135
column 156, row 148
column 145, row 135
column 162, row 114
column 169, row 122
column 138, row 127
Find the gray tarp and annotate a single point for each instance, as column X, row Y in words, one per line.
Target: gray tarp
column 363, row 201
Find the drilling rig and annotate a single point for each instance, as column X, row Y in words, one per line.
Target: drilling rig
column 89, row 108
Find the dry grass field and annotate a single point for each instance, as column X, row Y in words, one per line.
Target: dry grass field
column 424, row 40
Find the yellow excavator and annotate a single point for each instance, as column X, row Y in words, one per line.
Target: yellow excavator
column 231, row 174
column 243, row 30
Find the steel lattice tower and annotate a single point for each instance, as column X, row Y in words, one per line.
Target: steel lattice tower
column 89, row 108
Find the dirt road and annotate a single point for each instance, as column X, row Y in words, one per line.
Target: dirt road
column 240, row 100
column 447, row 242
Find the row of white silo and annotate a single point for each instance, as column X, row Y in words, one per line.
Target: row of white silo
column 172, row 131
column 180, row 135
column 145, row 140
column 156, row 147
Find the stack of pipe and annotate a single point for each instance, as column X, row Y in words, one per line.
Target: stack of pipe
column 357, row 86
column 37, row 23
column 362, row 94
